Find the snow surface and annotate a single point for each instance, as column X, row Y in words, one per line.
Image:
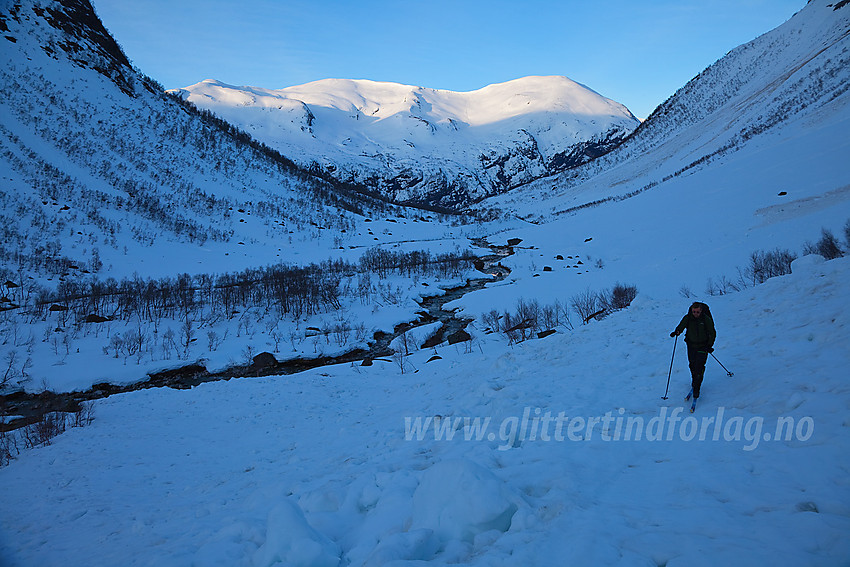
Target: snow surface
column 323, row 468
column 342, row 465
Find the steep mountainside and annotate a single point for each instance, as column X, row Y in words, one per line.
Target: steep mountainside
column 426, row 146
column 99, row 166
column 795, row 75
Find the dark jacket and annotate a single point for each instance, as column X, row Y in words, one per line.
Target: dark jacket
column 700, row 330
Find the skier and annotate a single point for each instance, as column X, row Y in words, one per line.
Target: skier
column 699, row 337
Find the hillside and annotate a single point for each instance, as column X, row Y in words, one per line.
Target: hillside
column 793, row 77
column 425, row 146
column 102, row 172
column 118, row 216
column 120, row 202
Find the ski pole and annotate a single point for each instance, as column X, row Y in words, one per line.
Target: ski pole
column 721, row 364
column 675, row 340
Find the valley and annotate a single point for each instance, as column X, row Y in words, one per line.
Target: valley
column 362, row 323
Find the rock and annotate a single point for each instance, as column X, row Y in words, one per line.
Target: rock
column 264, row 360
column 459, row 337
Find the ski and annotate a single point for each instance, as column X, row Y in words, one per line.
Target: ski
column 691, row 393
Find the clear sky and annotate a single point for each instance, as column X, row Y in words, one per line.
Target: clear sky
column 635, row 52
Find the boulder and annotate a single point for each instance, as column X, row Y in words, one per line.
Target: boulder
column 264, row 360
column 459, row 337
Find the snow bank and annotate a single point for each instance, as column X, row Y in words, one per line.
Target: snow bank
column 459, row 499
column 292, row 541
column 811, row 264
column 414, row 545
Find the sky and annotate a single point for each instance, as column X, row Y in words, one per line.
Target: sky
column 637, row 53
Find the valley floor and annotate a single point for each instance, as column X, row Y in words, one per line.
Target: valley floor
column 560, row 448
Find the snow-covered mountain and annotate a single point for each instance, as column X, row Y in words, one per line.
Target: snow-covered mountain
column 796, row 75
column 426, row 146
column 102, row 172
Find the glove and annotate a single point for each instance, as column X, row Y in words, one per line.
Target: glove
column 710, row 350
column 674, row 334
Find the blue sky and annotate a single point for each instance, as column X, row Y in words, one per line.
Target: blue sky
column 637, row 53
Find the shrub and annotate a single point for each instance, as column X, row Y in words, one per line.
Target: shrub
column 721, row 287
column 620, row 296
column 586, row 304
column 491, row 320
column 83, row 416
column 827, row 246
column 551, row 316
column 765, row 265
column 529, row 317
column 522, row 324
column 8, row 447
column 847, row 234
column 43, row 431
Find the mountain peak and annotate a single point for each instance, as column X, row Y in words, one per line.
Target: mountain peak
column 419, row 144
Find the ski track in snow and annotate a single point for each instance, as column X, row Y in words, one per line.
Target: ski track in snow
column 798, row 207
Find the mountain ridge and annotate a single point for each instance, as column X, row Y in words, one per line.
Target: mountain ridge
column 419, row 145
column 762, row 86
column 88, row 142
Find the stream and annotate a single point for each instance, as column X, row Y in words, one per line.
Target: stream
column 29, row 408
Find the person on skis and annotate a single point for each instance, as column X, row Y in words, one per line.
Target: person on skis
column 699, row 337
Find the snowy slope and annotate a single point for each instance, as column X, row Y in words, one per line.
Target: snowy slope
column 329, row 467
column 749, row 156
column 796, row 76
column 107, row 181
column 100, row 170
column 211, row 205
column 423, row 145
